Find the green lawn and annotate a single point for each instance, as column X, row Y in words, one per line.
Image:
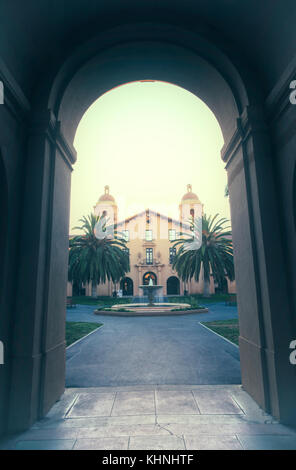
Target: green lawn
column 194, row 300
column 217, row 298
column 76, row 330
column 227, row 328
column 200, row 300
column 85, row 300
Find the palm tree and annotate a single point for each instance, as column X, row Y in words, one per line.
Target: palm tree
column 97, row 258
column 214, row 255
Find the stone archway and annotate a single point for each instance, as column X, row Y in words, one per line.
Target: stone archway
column 3, row 219
column 227, row 87
column 3, row 259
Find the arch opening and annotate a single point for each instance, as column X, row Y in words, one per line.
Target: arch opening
column 173, row 286
column 147, row 276
column 124, row 65
column 226, row 94
column 127, row 286
column 149, row 251
column 165, row 62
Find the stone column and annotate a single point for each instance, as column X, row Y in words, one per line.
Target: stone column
column 38, row 362
column 264, row 312
column 159, row 276
column 140, row 279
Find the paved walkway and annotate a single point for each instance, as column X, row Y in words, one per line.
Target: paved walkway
column 152, row 350
column 149, row 418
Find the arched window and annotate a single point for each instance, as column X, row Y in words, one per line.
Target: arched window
column 148, row 276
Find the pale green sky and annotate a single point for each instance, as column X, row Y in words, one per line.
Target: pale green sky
column 147, row 141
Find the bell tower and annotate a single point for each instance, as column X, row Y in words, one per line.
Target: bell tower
column 106, row 206
column 190, row 207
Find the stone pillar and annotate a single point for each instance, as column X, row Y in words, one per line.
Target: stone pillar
column 38, row 362
column 159, row 276
column 261, row 280
column 140, row 280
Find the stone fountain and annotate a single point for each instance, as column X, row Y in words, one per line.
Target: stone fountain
column 150, row 308
column 150, row 289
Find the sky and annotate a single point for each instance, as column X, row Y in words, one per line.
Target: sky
column 147, row 141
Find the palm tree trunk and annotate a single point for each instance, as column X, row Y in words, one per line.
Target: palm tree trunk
column 93, row 289
column 206, row 285
column 206, row 288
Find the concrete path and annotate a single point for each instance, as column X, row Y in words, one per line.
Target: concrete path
column 152, row 350
column 151, row 418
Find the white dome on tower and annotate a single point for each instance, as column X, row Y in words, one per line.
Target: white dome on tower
column 107, row 206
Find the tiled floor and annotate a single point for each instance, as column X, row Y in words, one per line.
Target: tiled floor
column 156, row 417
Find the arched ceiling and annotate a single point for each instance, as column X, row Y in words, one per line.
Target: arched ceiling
column 34, row 35
column 147, row 60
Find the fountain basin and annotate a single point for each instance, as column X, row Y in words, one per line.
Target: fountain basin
column 158, row 309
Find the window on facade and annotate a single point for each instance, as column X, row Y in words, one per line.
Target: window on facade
column 147, row 277
column 149, row 255
column 125, row 234
column 172, row 234
column 172, row 255
column 148, row 235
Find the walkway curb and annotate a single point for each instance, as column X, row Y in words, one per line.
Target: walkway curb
column 83, row 337
column 161, row 313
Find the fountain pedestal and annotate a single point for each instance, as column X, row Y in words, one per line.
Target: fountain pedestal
column 150, row 290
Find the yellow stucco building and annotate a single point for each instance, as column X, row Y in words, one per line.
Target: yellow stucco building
column 149, row 235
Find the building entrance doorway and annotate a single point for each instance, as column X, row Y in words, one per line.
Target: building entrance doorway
column 127, row 286
column 173, row 286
